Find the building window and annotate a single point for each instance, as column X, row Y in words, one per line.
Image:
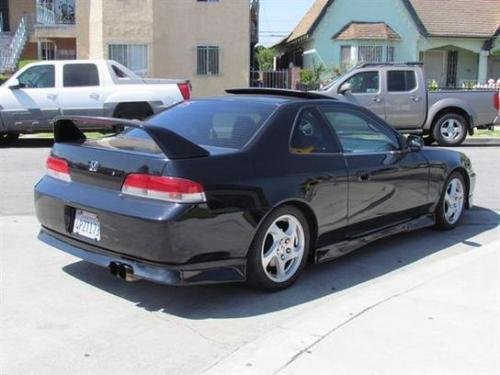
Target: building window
column 390, row 54
column 133, row 56
column 370, row 54
column 345, row 57
column 47, row 50
column 208, row 60
column 66, row 54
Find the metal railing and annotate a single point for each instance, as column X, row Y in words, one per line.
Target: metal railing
column 278, row 79
column 10, row 56
column 56, row 12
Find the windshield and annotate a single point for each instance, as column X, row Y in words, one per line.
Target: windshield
column 216, row 123
column 335, row 80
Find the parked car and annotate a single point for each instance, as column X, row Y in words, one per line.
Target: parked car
column 398, row 94
column 36, row 94
column 244, row 187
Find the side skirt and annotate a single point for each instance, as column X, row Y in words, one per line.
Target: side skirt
column 341, row 248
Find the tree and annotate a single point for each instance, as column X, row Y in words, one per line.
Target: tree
column 265, row 57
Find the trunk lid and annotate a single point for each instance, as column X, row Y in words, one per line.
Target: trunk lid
column 107, row 161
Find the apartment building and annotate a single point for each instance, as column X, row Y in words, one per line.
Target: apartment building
column 209, row 42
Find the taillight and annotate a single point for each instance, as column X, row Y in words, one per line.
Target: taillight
column 170, row 189
column 58, row 168
column 185, row 90
column 496, row 101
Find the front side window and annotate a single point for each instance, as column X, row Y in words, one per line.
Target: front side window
column 207, row 60
column 80, row 75
column 215, row 123
column 401, row 81
column 345, row 56
column 311, row 135
column 38, row 77
column 133, row 56
column 357, row 133
column 365, row 83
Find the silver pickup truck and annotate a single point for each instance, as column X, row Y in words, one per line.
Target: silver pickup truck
column 398, row 94
column 37, row 93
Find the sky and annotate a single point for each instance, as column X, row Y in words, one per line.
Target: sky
column 279, row 17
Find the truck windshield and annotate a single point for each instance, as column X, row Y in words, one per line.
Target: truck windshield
column 216, row 123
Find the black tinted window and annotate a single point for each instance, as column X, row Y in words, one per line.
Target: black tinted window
column 218, row 123
column 358, row 133
column 310, row 134
column 364, row 83
column 79, row 75
column 38, row 77
column 401, row 80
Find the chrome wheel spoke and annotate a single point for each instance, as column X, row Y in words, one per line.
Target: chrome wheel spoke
column 283, row 248
column 453, row 201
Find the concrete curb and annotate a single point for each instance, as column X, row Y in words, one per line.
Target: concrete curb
column 479, row 141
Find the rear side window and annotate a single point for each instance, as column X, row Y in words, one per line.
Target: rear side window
column 401, row 80
column 311, row 135
column 80, row 75
column 216, row 123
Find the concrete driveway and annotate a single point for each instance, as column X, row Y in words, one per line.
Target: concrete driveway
column 424, row 302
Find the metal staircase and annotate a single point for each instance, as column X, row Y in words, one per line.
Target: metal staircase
column 12, row 46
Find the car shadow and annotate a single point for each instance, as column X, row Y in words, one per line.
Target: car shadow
column 30, row 143
column 227, row 301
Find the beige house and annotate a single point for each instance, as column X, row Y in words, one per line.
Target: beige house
column 206, row 41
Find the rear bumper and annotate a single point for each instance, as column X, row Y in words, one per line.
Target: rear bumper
column 231, row 270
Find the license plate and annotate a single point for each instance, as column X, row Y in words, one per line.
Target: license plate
column 87, row 225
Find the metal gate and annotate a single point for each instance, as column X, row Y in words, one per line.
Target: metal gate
column 277, row 79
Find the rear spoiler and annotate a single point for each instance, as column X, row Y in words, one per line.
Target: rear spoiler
column 66, row 129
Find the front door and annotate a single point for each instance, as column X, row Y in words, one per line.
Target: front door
column 4, row 16
column 386, row 183
column 406, row 103
column 35, row 103
column 366, row 91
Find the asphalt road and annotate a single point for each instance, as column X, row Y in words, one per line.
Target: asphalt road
column 424, row 302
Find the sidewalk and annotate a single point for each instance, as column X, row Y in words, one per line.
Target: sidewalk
column 444, row 319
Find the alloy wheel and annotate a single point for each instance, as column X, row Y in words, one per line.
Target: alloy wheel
column 454, row 201
column 451, row 130
column 283, row 248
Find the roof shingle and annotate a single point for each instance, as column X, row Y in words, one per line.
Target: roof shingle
column 476, row 18
column 367, row 31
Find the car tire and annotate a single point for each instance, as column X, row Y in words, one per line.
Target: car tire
column 450, row 130
column 279, row 251
column 8, row 138
column 452, row 202
column 429, row 140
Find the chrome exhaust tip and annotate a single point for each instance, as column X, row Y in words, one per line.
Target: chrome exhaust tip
column 122, row 271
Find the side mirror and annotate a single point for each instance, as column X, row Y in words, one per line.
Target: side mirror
column 14, row 84
column 345, row 89
column 414, row 143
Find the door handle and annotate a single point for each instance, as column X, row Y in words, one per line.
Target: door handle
column 377, row 99
column 94, row 96
column 52, row 96
column 416, row 99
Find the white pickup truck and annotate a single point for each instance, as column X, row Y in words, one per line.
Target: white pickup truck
column 36, row 94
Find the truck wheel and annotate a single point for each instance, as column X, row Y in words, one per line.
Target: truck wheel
column 450, row 130
column 8, row 138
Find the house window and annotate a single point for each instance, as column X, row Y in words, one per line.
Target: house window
column 390, row 54
column 133, row 56
column 345, row 56
column 208, row 60
column 370, row 54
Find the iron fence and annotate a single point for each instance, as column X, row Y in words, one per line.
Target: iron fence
column 276, row 79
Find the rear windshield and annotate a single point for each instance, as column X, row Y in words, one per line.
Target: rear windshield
column 215, row 123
